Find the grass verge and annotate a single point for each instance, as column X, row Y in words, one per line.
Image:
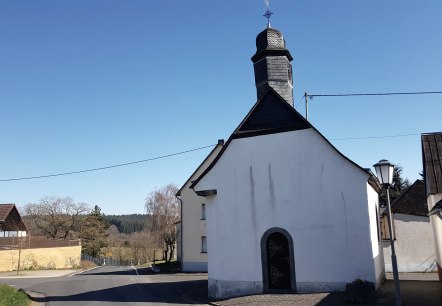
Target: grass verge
column 173, row 266
column 11, row 297
column 164, row 266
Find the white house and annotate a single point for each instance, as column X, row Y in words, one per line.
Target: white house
column 432, row 153
column 413, row 235
column 179, row 245
column 286, row 211
column 192, row 242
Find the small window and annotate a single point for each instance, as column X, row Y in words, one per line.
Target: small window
column 203, row 211
column 203, row 244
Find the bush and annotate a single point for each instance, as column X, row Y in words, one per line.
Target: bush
column 86, row 264
column 11, row 297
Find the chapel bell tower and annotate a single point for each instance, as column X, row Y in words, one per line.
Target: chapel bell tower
column 272, row 64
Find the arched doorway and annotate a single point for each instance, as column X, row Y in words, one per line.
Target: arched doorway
column 278, row 264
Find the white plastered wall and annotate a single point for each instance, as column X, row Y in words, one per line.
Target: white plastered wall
column 193, row 226
column 296, row 181
column 436, row 223
column 376, row 245
column 414, row 244
column 13, row 233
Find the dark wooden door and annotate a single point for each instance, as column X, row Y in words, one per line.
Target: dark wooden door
column 278, row 262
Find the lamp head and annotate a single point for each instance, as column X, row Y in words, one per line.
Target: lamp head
column 384, row 172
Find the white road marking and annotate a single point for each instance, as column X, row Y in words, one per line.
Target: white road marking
column 135, row 269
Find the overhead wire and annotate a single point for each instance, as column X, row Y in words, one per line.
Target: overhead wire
column 204, row 147
column 376, row 94
column 311, row 96
column 299, row 102
column 106, row 167
column 374, row 137
column 175, row 154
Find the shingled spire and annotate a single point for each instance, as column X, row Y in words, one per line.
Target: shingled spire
column 272, row 64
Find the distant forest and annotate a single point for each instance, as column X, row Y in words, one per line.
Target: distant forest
column 129, row 223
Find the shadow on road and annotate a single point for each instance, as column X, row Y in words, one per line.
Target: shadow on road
column 129, row 271
column 195, row 292
column 167, row 292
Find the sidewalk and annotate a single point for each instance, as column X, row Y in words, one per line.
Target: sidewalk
column 37, row 273
column 413, row 293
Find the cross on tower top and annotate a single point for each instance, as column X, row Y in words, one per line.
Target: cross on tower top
column 267, row 15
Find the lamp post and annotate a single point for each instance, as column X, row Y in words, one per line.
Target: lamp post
column 384, row 172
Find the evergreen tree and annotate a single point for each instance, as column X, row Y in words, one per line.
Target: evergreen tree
column 128, row 224
column 397, row 187
column 93, row 232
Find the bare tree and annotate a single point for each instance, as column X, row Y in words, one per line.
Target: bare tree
column 56, row 217
column 164, row 208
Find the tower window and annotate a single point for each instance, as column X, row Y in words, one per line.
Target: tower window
column 203, row 244
column 203, row 211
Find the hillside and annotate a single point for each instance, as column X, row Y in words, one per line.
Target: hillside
column 129, row 223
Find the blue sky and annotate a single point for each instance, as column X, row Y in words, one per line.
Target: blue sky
column 86, row 84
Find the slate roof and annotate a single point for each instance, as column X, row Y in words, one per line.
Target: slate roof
column 10, row 218
column 431, row 155
column 5, row 209
column 412, row 201
column 272, row 114
column 270, row 42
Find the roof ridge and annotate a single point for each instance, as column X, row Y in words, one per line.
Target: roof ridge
column 236, row 135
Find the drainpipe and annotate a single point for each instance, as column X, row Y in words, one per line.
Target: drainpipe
column 181, row 231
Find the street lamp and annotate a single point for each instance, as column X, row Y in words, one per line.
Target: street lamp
column 384, row 171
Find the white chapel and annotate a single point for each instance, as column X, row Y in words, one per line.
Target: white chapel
column 285, row 210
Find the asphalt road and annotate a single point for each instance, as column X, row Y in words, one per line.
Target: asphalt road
column 116, row 286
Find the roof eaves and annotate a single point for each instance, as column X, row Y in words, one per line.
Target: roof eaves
column 436, row 174
column 373, row 180
column 205, row 193
column 220, row 143
column 437, row 208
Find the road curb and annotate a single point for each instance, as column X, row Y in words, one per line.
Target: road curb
column 81, row 271
column 193, row 296
column 199, row 300
column 37, row 298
